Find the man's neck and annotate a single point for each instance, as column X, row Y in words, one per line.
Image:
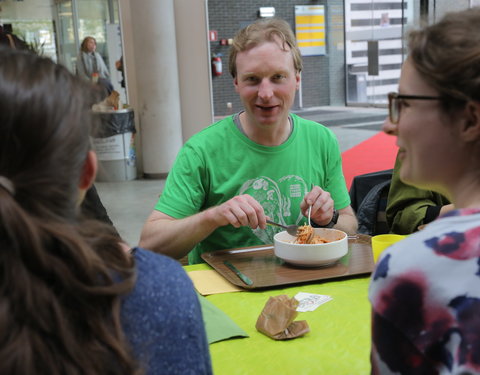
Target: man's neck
column 273, row 135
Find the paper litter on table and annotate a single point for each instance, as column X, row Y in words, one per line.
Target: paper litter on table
column 277, row 319
column 310, row 301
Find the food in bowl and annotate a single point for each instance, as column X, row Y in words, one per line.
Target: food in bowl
column 306, row 235
column 312, row 254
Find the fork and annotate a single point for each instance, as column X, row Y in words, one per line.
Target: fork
column 291, row 229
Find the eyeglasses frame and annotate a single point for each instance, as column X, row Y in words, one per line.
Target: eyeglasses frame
column 395, row 96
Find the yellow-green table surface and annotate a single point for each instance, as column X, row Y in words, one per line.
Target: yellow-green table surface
column 338, row 342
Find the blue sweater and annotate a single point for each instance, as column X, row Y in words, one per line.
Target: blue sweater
column 162, row 318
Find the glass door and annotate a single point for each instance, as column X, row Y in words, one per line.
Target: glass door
column 375, row 42
column 438, row 8
column 374, row 48
column 67, row 34
column 32, row 23
column 93, row 20
column 77, row 19
column 100, row 19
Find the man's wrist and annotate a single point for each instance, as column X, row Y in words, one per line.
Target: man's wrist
column 332, row 222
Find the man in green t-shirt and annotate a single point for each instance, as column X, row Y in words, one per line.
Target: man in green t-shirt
column 261, row 162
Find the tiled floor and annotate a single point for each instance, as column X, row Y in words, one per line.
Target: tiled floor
column 130, row 202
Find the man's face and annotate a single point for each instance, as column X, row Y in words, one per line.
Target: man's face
column 266, row 82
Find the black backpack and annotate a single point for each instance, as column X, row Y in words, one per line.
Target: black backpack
column 369, row 193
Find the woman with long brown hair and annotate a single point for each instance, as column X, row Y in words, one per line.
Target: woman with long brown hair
column 73, row 300
column 92, row 206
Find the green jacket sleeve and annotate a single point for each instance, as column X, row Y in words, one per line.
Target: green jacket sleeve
column 407, row 205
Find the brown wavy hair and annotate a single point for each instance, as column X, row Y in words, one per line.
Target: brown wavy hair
column 264, row 30
column 61, row 278
column 447, row 55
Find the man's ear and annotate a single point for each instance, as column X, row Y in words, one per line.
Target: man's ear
column 89, row 171
column 235, row 83
column 470, row 130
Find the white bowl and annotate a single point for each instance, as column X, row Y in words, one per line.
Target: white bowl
column 311, row 255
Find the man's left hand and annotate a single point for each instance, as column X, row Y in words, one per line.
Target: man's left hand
column 322, row 206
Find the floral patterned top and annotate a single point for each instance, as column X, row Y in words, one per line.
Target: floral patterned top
column 425, row 296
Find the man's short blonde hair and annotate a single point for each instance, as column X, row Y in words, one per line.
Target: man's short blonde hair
column 264, row 30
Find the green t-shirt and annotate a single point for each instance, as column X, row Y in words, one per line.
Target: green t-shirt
column 220, row 162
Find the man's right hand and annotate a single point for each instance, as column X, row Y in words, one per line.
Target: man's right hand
column 176, row 237
column 241, row 210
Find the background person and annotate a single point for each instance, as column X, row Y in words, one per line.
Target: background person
column 73, row 300
column 260, row 162
column 90, row 65
column 425, row 290
column 11, row 40
column 409, row 207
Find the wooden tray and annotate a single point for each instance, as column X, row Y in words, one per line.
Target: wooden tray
column 266, row 270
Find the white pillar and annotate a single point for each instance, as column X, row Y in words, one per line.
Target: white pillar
column 157, row 102
column 193, row 53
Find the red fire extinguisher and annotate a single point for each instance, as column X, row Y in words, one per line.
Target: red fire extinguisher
column 216, row 66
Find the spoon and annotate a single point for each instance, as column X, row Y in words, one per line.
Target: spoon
column 291, row 229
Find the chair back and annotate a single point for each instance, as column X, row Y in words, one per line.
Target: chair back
column 369, row 193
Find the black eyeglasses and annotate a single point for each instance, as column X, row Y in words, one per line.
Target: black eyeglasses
column 395, row 104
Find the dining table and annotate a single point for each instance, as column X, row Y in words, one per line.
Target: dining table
column 338, row 342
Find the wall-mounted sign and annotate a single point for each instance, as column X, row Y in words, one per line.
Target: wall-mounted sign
column 310, row 29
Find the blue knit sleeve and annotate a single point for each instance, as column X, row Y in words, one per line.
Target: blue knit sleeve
column 162, row 318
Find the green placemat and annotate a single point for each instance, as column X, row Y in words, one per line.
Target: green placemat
column 218, row 325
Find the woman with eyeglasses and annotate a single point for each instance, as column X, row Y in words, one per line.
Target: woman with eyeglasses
column 425, row 290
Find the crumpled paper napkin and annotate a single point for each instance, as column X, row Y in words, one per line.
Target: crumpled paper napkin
column 277, row 319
